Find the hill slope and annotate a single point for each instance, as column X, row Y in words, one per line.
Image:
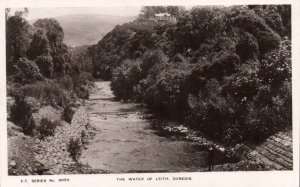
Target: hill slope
column 87, row 29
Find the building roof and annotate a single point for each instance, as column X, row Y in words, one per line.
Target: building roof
column 162, row 14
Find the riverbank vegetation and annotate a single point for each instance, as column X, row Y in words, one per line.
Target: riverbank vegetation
column 41, row 67
column 45, row 84
column 225, row 71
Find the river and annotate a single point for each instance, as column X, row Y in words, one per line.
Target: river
column 126, row 142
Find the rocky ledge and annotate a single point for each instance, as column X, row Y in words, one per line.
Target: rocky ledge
column 51, row 153
column 50, row 156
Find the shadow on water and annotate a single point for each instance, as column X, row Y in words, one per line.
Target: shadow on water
column 219, row 158
column 102, row 99
column 133, row 140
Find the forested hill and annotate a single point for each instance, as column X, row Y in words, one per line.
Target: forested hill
column 87, row 29
column 224, row 70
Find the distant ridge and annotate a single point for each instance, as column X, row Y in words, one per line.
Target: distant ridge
column 88, row 29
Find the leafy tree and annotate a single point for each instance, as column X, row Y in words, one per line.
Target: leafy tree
column 58, row 50
column 197, row 25
column 39, row 45
column 18, row 36
column 52, row 28
column 276, row 66
column 267, row 39
column 247, row 47
column 225, row 70
column 125, row 78
column 45, row 64
column 26, row 72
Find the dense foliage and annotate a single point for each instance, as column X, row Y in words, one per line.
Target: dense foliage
column 225, row 71
column 75, row 148
column 40, row 66
column 46, row 128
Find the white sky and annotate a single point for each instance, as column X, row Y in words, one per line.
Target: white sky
column 36, row 13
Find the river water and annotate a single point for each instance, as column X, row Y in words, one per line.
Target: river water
column 126, row 142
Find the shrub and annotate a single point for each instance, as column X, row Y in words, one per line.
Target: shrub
column 267, row 39
column 46, row 128
column 83, row 78
column 81, row 84
column 66, row 82
column 45, row 64
column 48, row 93
column 247, row 47
column 26, row 72
column 21, row 114
column 125, row 78
column 209, row 111
column 268, row 113
column 84, row 137
column 276, row 66
column 39, row 45
column 150, row 59
column 273, row 18
column 223, row 65
column 168, row 92
column 243, row 85
column 68, row 113
column 74, row 148
column 224, row 69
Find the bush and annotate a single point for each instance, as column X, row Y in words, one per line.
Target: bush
column 276, row 66
column 45, row 64
column 125, row 78
column 150, row 59
column 68, row 113
column 209, row 111
column 26, row 72
column 224, row 70
column 21, row 114
column 247, row 47
column 82, row 92
column 66, row 82
column 74, row 148
column 81, row 84
column 48, row 93
column 46, row 128
column 243, row 85
column 267, row 39
column 84, row 137
column 167, row 93
column 223, row 65
column 269, row 112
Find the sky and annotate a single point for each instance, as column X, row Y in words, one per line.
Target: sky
column 36, row 13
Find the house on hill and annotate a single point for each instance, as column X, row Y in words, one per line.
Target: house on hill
column 163, row 17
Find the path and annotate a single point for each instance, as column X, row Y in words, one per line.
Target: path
column 125, row 142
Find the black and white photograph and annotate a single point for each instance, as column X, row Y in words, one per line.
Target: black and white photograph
column 98, row 91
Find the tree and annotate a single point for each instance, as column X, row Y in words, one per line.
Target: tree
column 52, row 28
column 58, row 50
column 194, row 27
column 45, row 64
column 18, row 36
column 175, row 10
column 39, row 45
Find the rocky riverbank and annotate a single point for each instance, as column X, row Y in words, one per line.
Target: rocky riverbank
column 275, row 153
column 33, row 156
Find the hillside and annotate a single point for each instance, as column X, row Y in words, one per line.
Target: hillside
column 223, row 71
column 76, row 26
